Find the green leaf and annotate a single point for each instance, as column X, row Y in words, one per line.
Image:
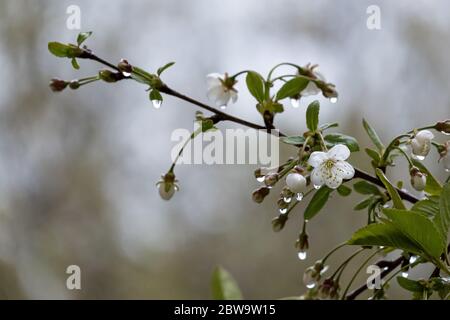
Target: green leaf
column 317, row 202
column 163, row 68
column 58, row 49
column 294, row 140
column 429, row 207
column 397, row 201
column 312, row 115
column 364, row 187
column 373, row 136
column 344, row 190
column 410, row 285
column 224, row 287
column 363, row 204
column 373, row 154
column 75, row 64
column 384, row 234
column 326, row 126
column 442, row 220
column 432, row 186
column 83, row 36
column 292, row 88
column 339, row 138
column 418, row 229
column 255, row 85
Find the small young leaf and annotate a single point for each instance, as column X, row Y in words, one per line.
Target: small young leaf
column 58, row 49
column 339, row 138
column 83, row 36
column 294, row 140
column 326, row 126
column 317, row 202
column 398, row 203
column 224, row 286
column 255, row 85
column 373, row 154
column 344, row 190
column 432, row 187
column 364, row 187
column 312, row 115
column 419, row 229
column 410, row 285
column 75, row 64
column 292, row 88
column 363, row 204
column 373, row 136
column 163, row 68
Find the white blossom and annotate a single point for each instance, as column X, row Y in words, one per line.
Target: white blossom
column 220, row 89
column 421, row 144
column 330, row 168
column 312, row 89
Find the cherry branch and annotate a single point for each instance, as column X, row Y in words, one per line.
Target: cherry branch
column 223, row 116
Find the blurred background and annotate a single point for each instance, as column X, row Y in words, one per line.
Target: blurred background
column 78, row 169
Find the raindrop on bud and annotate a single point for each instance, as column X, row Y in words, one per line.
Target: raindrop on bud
column 412, row 259
column 283, row 210
column 156, row 104
column 260, row 179
column 295, row 102
column 299, row 196
column 223, row 107
column 287, row 199
column 333, row 99
column 317, row 187
column 405, row 274
column 302, row 255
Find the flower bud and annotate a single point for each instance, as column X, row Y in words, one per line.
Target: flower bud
column 418, row 179
column 125, row 67
column 309, row 277
column 57, row 85
column 282, row 204
column 445, row 156
column 296, row 182
column 259, row 194
column 271, row 179
column 325, row 288
column 107, row 76
column 443, row 126
column 279, row 222
column 167, row 185
column 74, row 84
column 421, row 144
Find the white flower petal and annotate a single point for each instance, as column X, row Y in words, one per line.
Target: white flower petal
column 424, row 136
column 223, row 98
column 214, row 92
column 316, row 178
column 344, row 170
column 339, row 152
column 234, row 96
column 310, row 90
column 317, row 158
column 333, row 181
column 213, row 79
